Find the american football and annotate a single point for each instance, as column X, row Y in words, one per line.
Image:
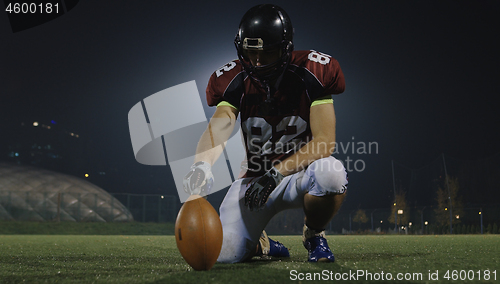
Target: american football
column 198, row 233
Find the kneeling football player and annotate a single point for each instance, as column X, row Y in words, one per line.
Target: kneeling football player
column 284, row 100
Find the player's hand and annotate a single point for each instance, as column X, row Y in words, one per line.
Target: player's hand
column 258, row 193
column 199, row 179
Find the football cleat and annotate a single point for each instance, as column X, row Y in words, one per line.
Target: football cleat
column 271, row 247
column 318, row 250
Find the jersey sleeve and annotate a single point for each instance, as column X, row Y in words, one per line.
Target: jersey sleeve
column 334, row 81
column 226, row 85
column 214, row 94
column 321, row 73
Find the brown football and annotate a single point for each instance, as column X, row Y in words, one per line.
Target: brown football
column 198, row 233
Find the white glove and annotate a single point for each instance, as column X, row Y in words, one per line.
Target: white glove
column 199, row 179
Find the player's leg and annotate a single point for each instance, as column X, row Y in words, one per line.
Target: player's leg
column 241, row 227
column 326, row 182
column 319, row 210
column 235, row 247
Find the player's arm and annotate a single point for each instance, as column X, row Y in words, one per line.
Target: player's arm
column 214, row 139
column 199, row 179
column 322, row 122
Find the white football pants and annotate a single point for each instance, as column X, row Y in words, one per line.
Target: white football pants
column 242, row 227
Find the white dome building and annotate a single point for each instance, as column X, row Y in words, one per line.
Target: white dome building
column 33, row 194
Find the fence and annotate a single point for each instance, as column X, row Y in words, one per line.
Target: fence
column 417, row 220
column 150, row 207
column 81, row 206
column 91, row 207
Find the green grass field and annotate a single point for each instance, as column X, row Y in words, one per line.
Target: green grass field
column 85, row 228
column 155, row 259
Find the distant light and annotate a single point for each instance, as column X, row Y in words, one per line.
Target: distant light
column 446, row 209
column 409, row 224
column 394, row 203
column 86, row 175
column 457, row 216
column 16, row 154
column 381, row 221
column 162, row 197
column 479, row 212
column 426, row 223
column 400, row 212
column 35, row 123
column 72, row 134
column 53, row 122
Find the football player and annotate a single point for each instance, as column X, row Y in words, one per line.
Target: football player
column 283, row 98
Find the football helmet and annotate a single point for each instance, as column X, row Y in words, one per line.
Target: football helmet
column 265, row 28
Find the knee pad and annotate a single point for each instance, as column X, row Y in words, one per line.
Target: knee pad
column 326, row 176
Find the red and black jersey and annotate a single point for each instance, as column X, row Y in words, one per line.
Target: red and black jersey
column 273, row 135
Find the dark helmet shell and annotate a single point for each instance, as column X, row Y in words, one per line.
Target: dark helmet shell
column 264, row 27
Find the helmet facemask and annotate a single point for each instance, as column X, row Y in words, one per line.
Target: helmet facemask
column 266, row 64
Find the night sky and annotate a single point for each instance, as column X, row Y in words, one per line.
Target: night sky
column 422, row 77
